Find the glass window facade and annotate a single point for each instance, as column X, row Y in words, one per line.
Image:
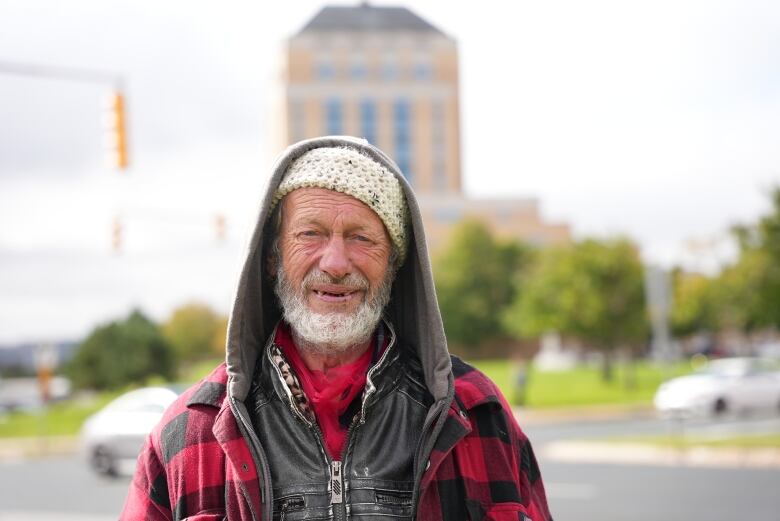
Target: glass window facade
column 422, row 71
column 333, row 117
column 324, row 70
column 358, row 69
column 368, row 120
column 402, row 129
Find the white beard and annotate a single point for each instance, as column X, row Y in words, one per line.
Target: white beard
column 331, row 333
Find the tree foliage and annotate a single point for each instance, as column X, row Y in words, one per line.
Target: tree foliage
column 755, row 276
column 475, row 281
column 695, row 303
column 121, row 353
column 592, row 290
column 745, row 293
column 195, row 331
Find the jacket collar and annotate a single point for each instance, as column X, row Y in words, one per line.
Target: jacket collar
column 212, row 390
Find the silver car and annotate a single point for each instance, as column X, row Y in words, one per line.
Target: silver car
column 722, row 386
column 112, row 437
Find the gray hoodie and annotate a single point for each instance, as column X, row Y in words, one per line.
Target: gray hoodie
column 413, row 309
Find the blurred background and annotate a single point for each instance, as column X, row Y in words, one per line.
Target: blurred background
column 600, row 183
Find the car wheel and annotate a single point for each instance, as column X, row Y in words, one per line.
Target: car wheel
column 720, row 407
column 103, row 462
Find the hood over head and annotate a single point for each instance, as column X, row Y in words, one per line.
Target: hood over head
column 413, row 309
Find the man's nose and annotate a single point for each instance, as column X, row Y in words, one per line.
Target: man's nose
column 335, row 259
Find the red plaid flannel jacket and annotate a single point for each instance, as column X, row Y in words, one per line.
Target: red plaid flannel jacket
column 196, row 464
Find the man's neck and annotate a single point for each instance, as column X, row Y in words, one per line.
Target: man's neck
column 323, row 358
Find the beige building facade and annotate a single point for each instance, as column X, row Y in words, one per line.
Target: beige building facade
column 387, row 75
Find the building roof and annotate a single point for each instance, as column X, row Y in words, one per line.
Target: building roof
column 367, row 17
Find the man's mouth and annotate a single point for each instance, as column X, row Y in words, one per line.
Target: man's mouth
column 335, row 295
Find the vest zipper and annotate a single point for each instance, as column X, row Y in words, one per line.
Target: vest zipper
column 336, row 468
column 336, row 483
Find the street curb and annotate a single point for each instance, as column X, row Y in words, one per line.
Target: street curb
column 641, row 454
column 593, row 413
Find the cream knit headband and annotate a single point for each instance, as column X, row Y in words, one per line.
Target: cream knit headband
column 348, row 171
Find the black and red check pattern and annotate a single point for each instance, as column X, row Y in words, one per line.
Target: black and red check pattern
column 197, row 465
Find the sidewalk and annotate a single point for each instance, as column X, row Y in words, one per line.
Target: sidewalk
column 592, row 413
column 620, row 453
column 16, row 449
column 645, row 454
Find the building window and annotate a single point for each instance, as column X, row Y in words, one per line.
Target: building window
column 421, row 66
column 389, row 67
column 402, row 126
column 368, row 120
column 324, row 70
column 333, row 116
column 422, row 71
column 357, row 70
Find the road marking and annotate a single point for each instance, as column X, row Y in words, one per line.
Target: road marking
column 581, row 491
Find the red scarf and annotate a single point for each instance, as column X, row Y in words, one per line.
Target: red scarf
column 329, row 393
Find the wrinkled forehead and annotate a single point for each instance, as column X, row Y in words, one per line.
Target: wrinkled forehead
column 322, row 204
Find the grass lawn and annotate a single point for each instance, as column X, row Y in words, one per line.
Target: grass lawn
column 582, row 385
column 59, row 419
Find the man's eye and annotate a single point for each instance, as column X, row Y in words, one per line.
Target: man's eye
column 309, row 233
column 361, row 238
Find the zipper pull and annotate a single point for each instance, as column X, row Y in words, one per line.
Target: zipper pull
column 337, row 494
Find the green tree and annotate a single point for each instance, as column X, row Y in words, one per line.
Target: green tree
column 121, row 353
column 592, row 290
column 745, row 293
column 753, row 282
column 193, row 330
column 475, row 281
column 695, row 303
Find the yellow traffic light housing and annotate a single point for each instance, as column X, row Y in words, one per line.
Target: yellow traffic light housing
column 118, row 130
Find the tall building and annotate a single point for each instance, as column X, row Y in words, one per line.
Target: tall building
column 385, row 74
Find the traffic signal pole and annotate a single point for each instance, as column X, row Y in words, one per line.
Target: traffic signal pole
column 117, row 121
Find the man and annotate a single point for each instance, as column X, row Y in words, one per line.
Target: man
column 338, row 398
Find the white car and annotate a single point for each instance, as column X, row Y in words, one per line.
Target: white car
column 722, row 386
column 112, row 437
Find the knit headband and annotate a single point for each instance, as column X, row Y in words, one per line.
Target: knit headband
column 348, row 171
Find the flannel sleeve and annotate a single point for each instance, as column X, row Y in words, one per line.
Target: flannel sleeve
column 532, row 491
column 148, row 498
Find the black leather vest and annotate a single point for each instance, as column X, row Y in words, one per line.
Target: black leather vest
column 374, row 480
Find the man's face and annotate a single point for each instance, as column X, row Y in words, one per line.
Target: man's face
column 335, row 256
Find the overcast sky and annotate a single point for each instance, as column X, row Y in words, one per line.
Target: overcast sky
column 659, row 120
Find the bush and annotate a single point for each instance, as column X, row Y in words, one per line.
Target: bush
column 121, row 353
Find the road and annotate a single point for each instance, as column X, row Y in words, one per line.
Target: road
column 64, row 489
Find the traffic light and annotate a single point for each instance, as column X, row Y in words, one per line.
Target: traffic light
column 117, row 140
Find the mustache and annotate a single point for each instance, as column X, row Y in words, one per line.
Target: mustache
column 352, row 281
